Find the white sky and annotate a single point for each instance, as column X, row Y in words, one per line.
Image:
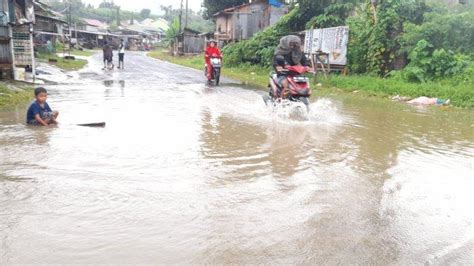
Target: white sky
column 154, row 5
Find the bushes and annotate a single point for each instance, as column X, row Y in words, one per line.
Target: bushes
column 334, row 15
column 441, row 47
column 427, row 63
column 374, row 42
column 259, row 50
column 436, row 43
column 442, row 29
column 408, row 40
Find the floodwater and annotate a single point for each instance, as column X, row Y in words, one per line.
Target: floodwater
column 186, row 173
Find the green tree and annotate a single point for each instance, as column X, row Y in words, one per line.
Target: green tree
column 145, row 13
column 172, row 33
column 106, row 4
column 169, row 12
column 195, row 20
column 374, row 45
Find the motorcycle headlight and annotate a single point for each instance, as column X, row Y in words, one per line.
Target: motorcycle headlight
column 215, row 61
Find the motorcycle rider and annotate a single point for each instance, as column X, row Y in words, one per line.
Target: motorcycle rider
column 288, row 52
column 211, row 51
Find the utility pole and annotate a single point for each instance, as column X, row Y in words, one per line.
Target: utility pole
column 69, row 17
column 118, row 17
column 186, row 21
column 70, row 28
column 181, row 17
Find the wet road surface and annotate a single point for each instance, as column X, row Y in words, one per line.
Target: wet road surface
column 189, row 173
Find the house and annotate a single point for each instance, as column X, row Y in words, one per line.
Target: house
column 189, row 42
column 5, row 42
column 92, row 25
column 17, row 20
column 242, row 22
column 91, row 33
column 49, row 26
column 156, row 28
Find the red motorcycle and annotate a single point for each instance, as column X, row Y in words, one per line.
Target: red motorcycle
column 214, row 68
column 298, row 89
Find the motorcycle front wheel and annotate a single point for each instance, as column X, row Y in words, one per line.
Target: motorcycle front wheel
column 217, row 75
column 305, row 101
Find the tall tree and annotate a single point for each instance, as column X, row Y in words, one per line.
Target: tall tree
column 145, row 13
column 213, row 6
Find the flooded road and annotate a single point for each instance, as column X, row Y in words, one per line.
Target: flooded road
column 185, row 173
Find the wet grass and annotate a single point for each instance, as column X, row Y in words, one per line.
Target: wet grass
column 83, row 52
column 250, row 75
column 12, row 94
column 460, row 94
column 65, row 64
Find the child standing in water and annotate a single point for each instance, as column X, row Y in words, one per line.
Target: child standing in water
column 39, row 113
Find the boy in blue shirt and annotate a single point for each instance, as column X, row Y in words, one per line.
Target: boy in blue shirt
column 39, row 113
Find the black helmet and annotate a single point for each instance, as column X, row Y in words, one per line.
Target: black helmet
column 280, row 59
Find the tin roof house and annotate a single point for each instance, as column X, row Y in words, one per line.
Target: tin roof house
column 242, row 22
column 17, row 18
column 49, row 27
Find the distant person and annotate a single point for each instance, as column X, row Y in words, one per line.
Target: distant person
column 211, row 51
column 39, row 113
column 121, row 54
column 108, row 56
column 423, row 100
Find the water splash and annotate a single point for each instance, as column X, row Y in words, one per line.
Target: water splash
column 250, row 105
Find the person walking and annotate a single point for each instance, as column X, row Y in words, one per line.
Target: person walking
column 108, row 56
column 121, row 54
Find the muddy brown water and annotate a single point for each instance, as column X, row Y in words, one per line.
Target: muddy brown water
column 187, row 173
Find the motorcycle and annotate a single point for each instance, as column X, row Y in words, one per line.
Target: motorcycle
column 215, row 68
column 299, row 88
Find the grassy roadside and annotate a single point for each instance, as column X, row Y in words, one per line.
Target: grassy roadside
column 251, row 75
column 84, row 52
column 62, row 63
column 461, row 95
column 14, row 95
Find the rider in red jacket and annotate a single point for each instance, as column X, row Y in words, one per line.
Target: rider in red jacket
column 211, row 51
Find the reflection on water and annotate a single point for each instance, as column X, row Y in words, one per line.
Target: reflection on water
column 189, row 173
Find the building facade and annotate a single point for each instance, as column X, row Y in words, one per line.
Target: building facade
column 242, row 22
column 16, row 38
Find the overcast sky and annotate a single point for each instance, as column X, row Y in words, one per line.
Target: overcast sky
column 154, row 5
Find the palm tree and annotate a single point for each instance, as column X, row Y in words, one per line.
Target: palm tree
column 172, row 33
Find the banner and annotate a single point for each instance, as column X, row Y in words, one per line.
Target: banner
column 332, row 41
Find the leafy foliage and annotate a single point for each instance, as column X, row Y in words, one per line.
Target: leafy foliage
column 172, row 32
column 442, row 29
column 259, row 50
column 334, row 15
column 428, row 63
column 106, row 11
column 145, row 13
column 195, row 20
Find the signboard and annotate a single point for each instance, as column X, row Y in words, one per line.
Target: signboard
column 332, row 41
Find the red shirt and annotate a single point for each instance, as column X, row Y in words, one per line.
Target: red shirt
column 213, row 50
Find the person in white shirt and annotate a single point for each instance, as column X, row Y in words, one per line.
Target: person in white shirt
column 121, row 54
